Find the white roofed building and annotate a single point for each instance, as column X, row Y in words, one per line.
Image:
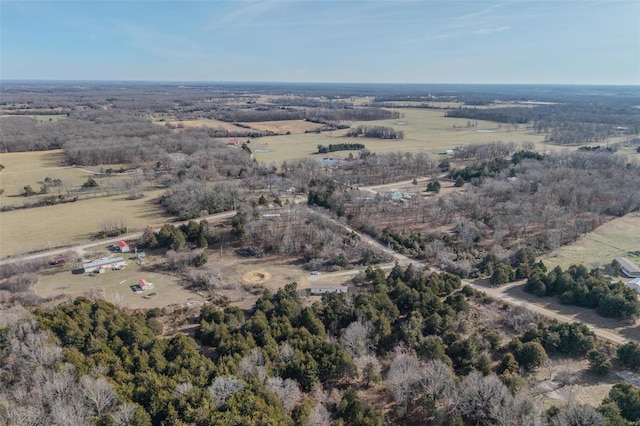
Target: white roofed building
column 628, row 268
column 322, row 288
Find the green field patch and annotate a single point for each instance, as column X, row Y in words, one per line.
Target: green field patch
column 40, row 228
column 619, row 237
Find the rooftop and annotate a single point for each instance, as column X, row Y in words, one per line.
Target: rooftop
column 327, row 285
column 105, row 261
column 627, row 264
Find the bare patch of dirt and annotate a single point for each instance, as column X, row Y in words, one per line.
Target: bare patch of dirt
column 256, row 277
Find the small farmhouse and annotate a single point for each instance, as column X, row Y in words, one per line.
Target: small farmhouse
column 123, row 247
column 321, row 288
column 628, row 268
column 634, row 285
column 104, row 264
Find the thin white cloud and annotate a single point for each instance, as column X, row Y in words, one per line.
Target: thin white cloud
column 487, row 31
column 482, row 12
column 244, row 15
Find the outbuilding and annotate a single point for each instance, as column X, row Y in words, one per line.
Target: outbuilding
column 123, row 247
column 145, row 285
column 628, row 268
column 104, row 264
column 322, row 288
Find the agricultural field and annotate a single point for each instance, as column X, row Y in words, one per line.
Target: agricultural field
column 26, row 230
column 32, row 168
column 619, row 237
column 424, row 130
column 203, row 122
column 284, row 126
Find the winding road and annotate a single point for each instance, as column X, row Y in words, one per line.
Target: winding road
column 509, row 294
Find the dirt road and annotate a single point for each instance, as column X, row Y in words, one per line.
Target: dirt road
column 605, row 328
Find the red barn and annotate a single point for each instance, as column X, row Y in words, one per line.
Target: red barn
column 123, row 247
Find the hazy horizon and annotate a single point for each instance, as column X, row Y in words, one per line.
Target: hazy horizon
column 525, row 42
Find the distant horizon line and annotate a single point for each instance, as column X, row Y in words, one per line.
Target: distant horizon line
column 12, row 80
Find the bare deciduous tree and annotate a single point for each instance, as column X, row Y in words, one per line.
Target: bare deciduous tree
column 253, row 365
column 124, row 414
column 223, row 387
column 437, row 380
column 402, row 379
column 319, row 415
column 518, row 410
column 478, row 395
column 355, row 338
column 287, row 391
column 579, row 415
column 286, row 352
column 99, row 394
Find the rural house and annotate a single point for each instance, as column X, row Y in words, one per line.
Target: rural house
column 628, row 268
column 318, row 288
column 123, row 247
column 104, row 264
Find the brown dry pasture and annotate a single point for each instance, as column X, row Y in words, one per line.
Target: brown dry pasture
column 31, row 168
column 619, row 237
column 26, row 230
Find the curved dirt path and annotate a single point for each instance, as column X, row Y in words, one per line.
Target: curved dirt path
column 605, row 328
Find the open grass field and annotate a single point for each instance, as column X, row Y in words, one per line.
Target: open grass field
column 31, row 168
column 424, row 131
column 22, row 231
column 618, row 237
column 293, row 126
column 203, row 122
column 114, row 286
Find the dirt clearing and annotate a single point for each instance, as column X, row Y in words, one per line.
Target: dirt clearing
column 116, row 286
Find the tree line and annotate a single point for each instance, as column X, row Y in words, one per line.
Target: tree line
column 340, row 147
column 378, row 132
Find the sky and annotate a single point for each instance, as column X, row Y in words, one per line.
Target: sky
column 362, row 41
